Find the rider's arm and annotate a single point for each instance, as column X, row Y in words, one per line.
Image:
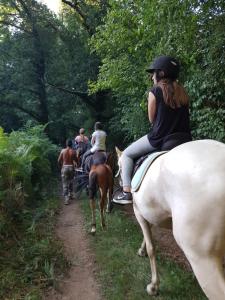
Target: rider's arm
column 151, row 107
column 93, row 139
column 75, row 159
column 60, row 159
column 76, row 140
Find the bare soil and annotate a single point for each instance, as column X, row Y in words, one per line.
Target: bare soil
column 80, row 282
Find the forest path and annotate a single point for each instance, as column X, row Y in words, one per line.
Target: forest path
column 80, row 282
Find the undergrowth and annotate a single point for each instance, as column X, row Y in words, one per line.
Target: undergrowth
column 32, row 258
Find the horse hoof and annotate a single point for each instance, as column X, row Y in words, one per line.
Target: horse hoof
column 93, row 231
column 152, row 289
column 141, row 253
column 109, row 207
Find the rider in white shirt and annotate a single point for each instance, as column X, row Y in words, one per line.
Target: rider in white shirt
column 98, row 142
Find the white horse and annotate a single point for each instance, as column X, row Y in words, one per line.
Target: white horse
column 187, row 186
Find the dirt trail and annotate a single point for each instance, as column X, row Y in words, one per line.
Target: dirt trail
column 80, row 282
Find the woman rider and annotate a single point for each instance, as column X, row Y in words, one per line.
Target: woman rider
column 81, row 137
column 81, row 142
column 168, row 111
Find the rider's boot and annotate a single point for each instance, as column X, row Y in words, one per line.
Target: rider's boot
column 123, row 198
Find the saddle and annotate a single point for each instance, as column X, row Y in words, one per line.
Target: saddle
column 141, row 167
column 97, row 158
column 142, row 164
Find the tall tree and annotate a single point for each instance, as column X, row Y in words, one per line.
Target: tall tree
column 24, row 38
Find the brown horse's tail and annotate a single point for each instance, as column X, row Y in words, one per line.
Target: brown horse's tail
column 92, row 184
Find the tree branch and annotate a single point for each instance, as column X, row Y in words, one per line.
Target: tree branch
column 84, row 96
column 214, row 105
column 75, row 6
column 7, row 23
column 72, row 92
column 19, row 107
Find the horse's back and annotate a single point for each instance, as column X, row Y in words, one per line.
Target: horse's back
column 197, row 157
column 103, row 173
column 196, row 170
column 187, row 180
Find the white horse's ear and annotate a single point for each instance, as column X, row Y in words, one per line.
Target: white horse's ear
column 119, row 153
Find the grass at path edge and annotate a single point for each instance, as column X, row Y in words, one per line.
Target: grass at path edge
column 122, row 274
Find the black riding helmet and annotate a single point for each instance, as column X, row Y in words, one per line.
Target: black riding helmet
column 169, row 65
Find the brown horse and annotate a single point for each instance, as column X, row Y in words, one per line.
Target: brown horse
column 100, row 178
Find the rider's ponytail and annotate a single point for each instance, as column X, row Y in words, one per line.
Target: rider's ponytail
column 174, row 94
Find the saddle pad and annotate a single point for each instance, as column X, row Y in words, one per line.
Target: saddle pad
column 139, row 175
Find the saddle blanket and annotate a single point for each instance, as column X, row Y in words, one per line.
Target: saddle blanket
column 140, row 174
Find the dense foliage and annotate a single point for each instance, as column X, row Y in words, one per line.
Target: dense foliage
column 25, row 164
column 88, row 63
column 134, row 32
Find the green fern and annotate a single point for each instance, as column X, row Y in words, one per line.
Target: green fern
column 24, row 170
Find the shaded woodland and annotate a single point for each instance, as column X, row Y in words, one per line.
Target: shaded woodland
column 62, row 72
column 88, row 63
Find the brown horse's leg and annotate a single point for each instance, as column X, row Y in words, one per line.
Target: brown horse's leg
column 103, row 196
column 109, row 202
column 93, row 207
column 92, row 192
